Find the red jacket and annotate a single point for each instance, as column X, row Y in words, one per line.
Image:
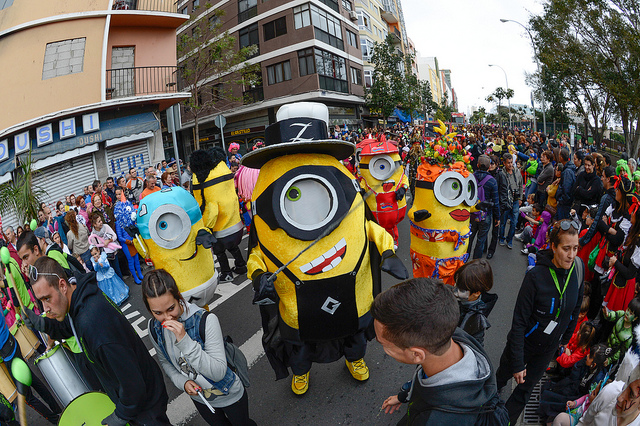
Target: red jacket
column 567, row 361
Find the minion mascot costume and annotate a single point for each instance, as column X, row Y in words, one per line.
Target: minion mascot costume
column 214, row 190
column 446, row 195
column 380, row 171
column 310, row 258
column 169, row 228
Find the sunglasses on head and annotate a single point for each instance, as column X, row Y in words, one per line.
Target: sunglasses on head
column 565, row 224
column 34, row 274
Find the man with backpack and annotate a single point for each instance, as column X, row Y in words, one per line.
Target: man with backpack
column 481, row 221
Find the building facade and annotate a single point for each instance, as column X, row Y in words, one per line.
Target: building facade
column 308, row 50
column 86, row 83
column 428, row 70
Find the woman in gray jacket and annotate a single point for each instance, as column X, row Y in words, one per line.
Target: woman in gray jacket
column 193, row 355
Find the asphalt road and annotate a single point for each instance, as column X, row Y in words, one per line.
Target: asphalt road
column 334, row 397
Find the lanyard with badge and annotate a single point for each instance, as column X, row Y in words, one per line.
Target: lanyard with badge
column 552, row 325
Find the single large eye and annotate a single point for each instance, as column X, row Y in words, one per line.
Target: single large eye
column 308, row 202
column 381, row 167
column 169, row 226
column 449, row 188
column 471, row 193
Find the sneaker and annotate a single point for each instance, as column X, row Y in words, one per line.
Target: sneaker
column 518, row 237
column 239, row 270
column 509, row 246
column 358, row 369
column 524, row 251
column 502, row 242
column 489, row 255
column 226, row 277
column 300, row 384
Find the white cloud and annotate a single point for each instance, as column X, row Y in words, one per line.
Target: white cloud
column 467, row 35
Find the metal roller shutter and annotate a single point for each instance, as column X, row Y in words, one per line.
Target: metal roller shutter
column 121, row 158
column 69, row 177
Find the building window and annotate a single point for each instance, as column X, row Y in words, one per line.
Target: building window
column 368, row 78
column 352, row 39
column 247, row 9
column 214, row 20
column 249, row 36
column 301, row 16
column 347, row 5
column 327, row 28
column 216, row 92
column 366, row 45
column 333, row 4
column 356, row 76
column 275, row 28
column 332, row 71
column 185, row 10
column 195, row 32
column 277, row 73
column 305, row 62
column 196, row 4
column 63, row 57
column 252, row 91
column 364, row 22
column 5, row 4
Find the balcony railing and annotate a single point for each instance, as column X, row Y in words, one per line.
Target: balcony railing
column 126, row 82
column 169, row 6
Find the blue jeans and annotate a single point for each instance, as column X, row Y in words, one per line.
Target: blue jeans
column 483, row 234
column 563, row 212
column 531, row 189
column 511, row 214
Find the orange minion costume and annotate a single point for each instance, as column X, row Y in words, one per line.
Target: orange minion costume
column 446, row 195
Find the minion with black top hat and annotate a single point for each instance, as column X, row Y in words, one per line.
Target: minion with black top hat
column 313, row 252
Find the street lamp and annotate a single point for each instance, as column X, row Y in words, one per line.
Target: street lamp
column 508, row 99
column 544, row 115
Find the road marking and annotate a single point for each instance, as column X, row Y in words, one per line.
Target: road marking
column 252, row 348
column 227, row 290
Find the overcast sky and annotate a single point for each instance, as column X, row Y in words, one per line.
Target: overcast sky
column 467, row 35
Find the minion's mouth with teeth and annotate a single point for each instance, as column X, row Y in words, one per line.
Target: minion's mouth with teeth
column 326, row 261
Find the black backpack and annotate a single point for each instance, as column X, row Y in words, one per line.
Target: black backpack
column 493, row 413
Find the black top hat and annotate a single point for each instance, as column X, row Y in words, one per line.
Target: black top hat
column 302, row 134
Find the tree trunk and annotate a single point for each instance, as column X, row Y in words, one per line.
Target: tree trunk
column 196, row 132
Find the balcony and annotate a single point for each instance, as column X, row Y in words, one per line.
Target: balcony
column 389, row 12
column 396, row 37
column 138, row 81
column 169, row 6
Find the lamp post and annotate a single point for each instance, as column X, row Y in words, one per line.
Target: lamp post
column 544, row 115
column 508, row 99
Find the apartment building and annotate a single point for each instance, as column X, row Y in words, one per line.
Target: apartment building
column 428, row 70
column 86, row 81
column 308, row 50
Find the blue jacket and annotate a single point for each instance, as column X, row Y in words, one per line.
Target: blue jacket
column 567, row 184
column 490, row 191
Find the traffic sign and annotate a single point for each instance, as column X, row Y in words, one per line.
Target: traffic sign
column 220, row 121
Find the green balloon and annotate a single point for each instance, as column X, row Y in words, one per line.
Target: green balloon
column 5, row 256
column 20, row 371
column 33, row 224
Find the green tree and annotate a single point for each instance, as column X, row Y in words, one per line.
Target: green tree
column 212, row 67
column 478, row 116
column 592, row 47
column 387, row 90
column 496, row 97
column 428, row 105
column 20, row 195
column 411, row 102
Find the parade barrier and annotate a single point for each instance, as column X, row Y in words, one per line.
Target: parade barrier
column 62, row 377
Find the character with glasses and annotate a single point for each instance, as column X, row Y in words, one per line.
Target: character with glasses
column 545, row 315
column 119, row 358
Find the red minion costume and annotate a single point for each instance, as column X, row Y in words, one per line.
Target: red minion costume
column 446, row 195
column 314, row 255
column 380, row 171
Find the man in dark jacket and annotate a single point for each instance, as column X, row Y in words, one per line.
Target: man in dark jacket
column 588, row 185
column 564, row 195
column 481, row 221
column 415, row 321
column 130, row 376
column 510, row 193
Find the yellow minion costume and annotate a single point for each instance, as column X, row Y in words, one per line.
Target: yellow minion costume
column 446, row 195
column 214, row 189
column 312, row 248
column 380, row 171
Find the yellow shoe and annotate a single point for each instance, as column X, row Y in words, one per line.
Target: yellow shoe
column 300, row 384
column 358, row 369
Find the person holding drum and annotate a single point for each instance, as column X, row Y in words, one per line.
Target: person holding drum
column 191, row 355
column 119, row 358
column 9, row 350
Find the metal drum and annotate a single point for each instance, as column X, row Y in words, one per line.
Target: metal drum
column 61, row 374
column 7, row 387
column 27, row 340
column 88, row 409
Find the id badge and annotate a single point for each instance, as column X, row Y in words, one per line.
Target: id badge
column 552, row 325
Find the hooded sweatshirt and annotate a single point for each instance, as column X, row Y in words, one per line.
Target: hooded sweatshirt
column 128, row 373
column 541, row 234
column 455, row 395
column 538, row 304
